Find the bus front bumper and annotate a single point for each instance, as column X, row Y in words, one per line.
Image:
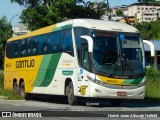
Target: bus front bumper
column 97, row 91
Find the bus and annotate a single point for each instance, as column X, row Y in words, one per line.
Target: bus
column 78, row 58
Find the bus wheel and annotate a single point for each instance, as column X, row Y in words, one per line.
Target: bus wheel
column 15, row 88
column 72, row 100
column 116, row 102
column 22, row 91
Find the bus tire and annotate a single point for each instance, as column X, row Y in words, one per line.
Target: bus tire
column 22, row 93
column 116, row 102
column 15, row 88
column 72, row 100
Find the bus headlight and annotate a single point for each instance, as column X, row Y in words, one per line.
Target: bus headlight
column 95, row 80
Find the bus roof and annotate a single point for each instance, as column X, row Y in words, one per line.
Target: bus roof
column 87, row 23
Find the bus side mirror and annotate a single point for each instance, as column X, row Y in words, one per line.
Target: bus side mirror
column 151, row 45
column 90, row 42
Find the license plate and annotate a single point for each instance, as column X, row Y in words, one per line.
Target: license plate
column 119, row 93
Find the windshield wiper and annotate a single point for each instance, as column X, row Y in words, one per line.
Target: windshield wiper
column 126, row 64
column 114, row 68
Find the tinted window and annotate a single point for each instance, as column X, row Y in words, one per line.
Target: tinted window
column 29, row 47
column 78, row 31
column 9, row 47
column 84, row 54
column 54, row 42
column 16, row 49
column 34, row 46
column 43, row 46
column 67, row 45
column 23, row 47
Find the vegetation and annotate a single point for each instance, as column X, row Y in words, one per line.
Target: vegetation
column 10, row 95
column 153, row 82
column 41, row 13
column 149, row 30
column 119, row 13
column 5, row 33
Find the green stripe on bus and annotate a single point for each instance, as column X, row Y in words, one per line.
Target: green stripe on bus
column 47, row 70
column 42, row 70
column 61, row 28
column 133, row 81
column 50, row 72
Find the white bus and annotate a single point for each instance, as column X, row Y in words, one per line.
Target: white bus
column 78, row 58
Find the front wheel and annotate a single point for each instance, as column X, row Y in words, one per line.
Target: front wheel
column 72, row 100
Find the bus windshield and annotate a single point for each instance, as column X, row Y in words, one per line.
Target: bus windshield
column 117, row 54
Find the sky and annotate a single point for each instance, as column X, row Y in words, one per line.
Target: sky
column 12, row 10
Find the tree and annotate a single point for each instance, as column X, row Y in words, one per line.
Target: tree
column 41, row 13
column 149, row 30
column 119, row 13
column 5, row 33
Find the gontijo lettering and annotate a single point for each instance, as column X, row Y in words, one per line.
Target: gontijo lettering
column 25, row 63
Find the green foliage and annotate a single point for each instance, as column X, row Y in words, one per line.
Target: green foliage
column 119, row 13
column 5, row 33
column 149, row 30
column 8, row 93
column 41, row 13
column 153, row 82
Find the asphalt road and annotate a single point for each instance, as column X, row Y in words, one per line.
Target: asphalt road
column 57, row 108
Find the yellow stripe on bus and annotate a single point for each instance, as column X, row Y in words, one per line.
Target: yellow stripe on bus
column 110, row 80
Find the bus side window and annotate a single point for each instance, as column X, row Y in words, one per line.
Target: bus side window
column 16, row 49
column 67, row 45
column 9, row 47
column 57, row 39
column 23, row 47
column 29, row 46
column 34, row 46
column 54, row 42
column 84, row 54
column 43, row 44
column 78, row 31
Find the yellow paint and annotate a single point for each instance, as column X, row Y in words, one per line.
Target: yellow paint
column 83, row 90
column 66, row 64
column 110, row 80
column 27, row 74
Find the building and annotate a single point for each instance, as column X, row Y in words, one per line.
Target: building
column 20, row 30
column 123, row 8
column 143, row 12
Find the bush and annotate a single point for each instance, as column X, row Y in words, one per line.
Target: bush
column 153, row 83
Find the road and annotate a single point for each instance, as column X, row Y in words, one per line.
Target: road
column 58, row 108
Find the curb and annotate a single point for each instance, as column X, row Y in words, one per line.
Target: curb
column 3, row 98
